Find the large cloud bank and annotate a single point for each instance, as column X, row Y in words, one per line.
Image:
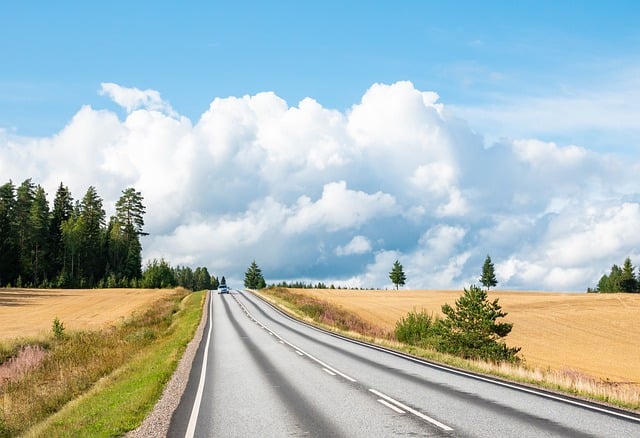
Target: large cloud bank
column 317, row 194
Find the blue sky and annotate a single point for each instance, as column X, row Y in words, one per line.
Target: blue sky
column 471, row 53
column 517, row 84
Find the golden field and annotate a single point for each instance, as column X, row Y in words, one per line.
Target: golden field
column 30, row 312
column 596, row 334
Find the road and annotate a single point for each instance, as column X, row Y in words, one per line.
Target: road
column 258, row 373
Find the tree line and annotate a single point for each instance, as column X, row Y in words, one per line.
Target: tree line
column 71, row 244
column 159, row 274
column 619, row 279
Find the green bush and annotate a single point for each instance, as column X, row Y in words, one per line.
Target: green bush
column 58, row 329
column 417, row 328
column 471, row 329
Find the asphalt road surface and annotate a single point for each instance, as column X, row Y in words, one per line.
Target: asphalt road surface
column 258, row 373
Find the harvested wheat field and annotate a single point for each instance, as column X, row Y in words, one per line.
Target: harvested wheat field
column 30, row 312
column 596, row 334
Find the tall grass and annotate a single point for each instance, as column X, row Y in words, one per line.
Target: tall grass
column 75, row 362
column 324, row 313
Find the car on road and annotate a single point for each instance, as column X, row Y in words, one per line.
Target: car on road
column 223, row 289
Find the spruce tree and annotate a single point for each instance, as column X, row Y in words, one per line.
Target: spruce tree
column 628, row 280
column 62, row 210
column 253, row 278
column 488, row 278
column 9, row 256
column 93, row 238
column 39, row 218
column 471, row 330
column 25, row 195
column 397, row 274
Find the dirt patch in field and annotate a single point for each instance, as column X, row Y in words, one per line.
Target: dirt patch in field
column 593, row 333
column 30, row 312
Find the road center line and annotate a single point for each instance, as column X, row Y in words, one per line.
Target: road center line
column 390, row 406
column 298, row 350
column 413, row 411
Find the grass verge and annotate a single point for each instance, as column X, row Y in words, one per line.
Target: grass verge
column 102, row 383
column 337, row 319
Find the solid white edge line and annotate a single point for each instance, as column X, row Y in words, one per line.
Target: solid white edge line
column 413, row 411
column 561, row 399
column 390, row 406
column 191, row 428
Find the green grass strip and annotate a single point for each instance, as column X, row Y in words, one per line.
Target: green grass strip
column 120, row 402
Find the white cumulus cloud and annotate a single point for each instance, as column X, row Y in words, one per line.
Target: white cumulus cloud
column 357, row 245
column 133, row 98
column 337, row 196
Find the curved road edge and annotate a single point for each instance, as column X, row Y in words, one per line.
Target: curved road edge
column 543, row 392
column 157, row 423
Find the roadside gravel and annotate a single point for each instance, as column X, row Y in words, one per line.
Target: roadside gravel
column 157, row 422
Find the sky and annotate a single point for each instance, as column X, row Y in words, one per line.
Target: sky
column 325, row 140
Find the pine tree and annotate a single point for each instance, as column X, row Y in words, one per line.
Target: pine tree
column 62, row 210
column 130, row 211
column 253, row 278
column 124, row 238
column 22, row 212
column 397, row 275
column 93, row 238
column 471, row 329
column 9, row 257
column 488, row 278
column 39, row 243
column 628, row 280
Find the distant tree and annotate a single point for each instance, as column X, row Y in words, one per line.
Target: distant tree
column 184, row 277
column 488, row 278
column 25, row 195
column 39, row 242
column 223, row 282
column 471, row 329
column 62, row 210
column 202, row 279
column 93, row 238
column 72, row 242
column 130, row 220
column 253, row 278
column 158, row 274
column 628, row 280
column 130, row 211
column 612, row 282
column 397, row 275
column 9, row 256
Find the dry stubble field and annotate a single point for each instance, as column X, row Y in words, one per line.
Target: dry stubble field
column 596, row 334
column 30, row 312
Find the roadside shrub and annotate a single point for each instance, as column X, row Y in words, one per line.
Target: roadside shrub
column 470, row 329
column 58, row 329
column 312, row 310
column 417, row 328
